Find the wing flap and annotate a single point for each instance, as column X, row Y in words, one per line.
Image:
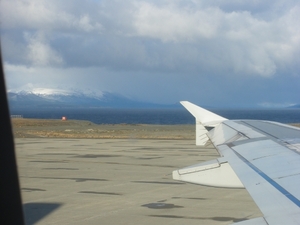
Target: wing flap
column 216, row 173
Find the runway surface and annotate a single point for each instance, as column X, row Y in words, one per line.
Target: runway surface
column 121, row 181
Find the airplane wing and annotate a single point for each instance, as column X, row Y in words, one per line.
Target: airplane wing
column 261, row 156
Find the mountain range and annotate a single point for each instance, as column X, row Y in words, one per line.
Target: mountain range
column 43, row 98
column 58, row 98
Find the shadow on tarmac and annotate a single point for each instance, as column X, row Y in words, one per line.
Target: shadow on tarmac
column 34, row 212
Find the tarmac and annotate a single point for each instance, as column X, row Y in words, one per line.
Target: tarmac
column 121, row 181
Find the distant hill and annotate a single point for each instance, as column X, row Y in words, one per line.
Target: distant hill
column 53, row 98
column 297, row 106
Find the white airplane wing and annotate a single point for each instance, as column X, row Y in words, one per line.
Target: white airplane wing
column 261, row 156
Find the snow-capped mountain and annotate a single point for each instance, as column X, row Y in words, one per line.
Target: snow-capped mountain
column 51, row 97
column 46, row 92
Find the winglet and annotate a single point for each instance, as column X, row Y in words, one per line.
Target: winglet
column 203, row 118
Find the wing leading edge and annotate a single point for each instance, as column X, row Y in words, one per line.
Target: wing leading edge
column 261, row 156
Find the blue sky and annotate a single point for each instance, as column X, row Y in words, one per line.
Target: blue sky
column 213, row 53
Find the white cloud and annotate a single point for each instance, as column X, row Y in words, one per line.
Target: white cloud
column 172, row 23
column 46, row 15
column 40, row 52
column 276, row 105
column 86, row 25
column 32, row 14
column 254, row 46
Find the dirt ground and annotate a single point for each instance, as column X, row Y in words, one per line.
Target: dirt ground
column 32, row 128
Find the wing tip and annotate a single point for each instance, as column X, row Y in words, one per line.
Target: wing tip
column 201, row 114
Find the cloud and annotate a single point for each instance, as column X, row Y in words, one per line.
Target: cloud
column 276, row 105
column 40, row 52
column 51, row 16
column 252, row 44
column 171, row 23
column 148, row 43
column 231, row 36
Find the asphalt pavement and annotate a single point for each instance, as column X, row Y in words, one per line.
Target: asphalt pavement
column 121, row 181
